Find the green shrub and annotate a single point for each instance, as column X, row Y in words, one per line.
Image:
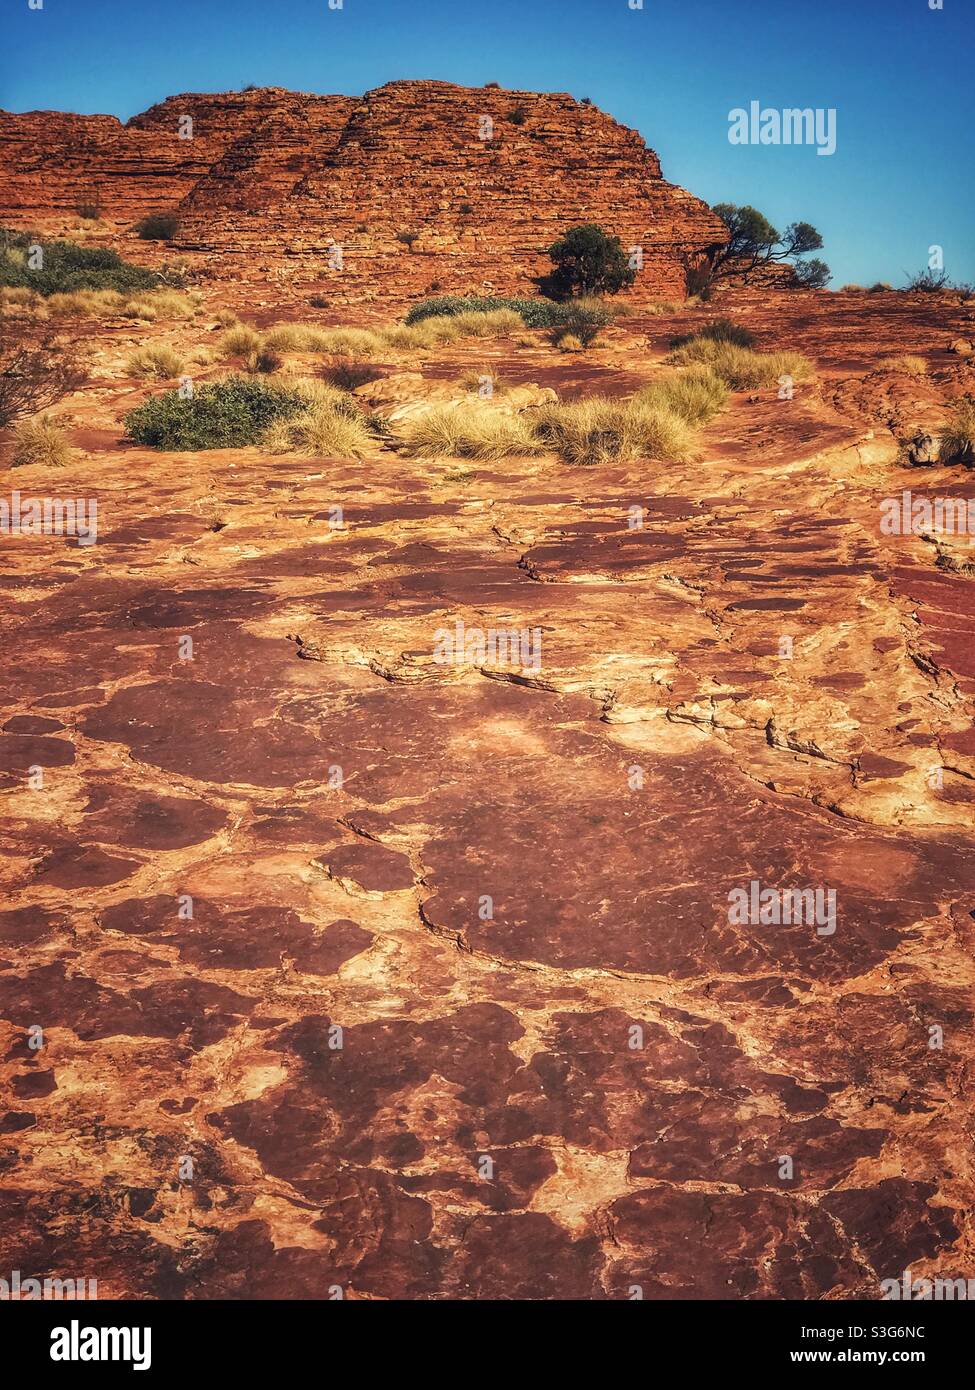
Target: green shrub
column 534, row 313
column 587, row 260
column 68, row 267
column 226, row 414
column 158, row 226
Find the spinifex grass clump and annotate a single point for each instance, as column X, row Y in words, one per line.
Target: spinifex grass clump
column 155, row 360
column 740, row 367
column 61, row 267
column 958, row 433
column 719, row 331
column 40, row 440
column 329, row 424
column 228, row 414
column 469, row 432
column 695, row 395
column 595, row 431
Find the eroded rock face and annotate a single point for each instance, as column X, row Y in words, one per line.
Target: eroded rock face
column 416, row 182
column 419, row 980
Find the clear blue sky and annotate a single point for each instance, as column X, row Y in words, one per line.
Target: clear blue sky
column 897, row 72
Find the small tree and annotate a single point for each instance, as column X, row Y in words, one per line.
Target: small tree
column 754, row 243
column 34, row 374
column 587, row 261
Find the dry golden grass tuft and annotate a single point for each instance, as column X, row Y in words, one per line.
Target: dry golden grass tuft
column 470, row 432
column 907, row 362
column 41, row 440
column 742, row 368
column 158, row 360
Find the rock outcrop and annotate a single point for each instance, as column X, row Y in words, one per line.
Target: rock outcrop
column 415, row 185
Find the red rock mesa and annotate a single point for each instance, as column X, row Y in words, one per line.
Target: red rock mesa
column 419, row 183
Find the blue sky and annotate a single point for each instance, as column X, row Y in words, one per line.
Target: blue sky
column 897, row 72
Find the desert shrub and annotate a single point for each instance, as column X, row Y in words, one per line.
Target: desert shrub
column 237, row 341
column 158, row 226
column 907, row 362
column 587, row 261
column 583, row 318
column 318, row 301
column 468, row 431
column 595, row 431
column 349, row 375
column 566, row 342
column 264, row 360
column 406, row 237
column 534, row 313
column 35, row 373
column 518, row 115
column 224, row 414
column 90, row 210
column 155, row 360
column 739, row 367
column 67, row 267
column 958, row 432
column 879, row 286
column 465, row 209
column 695, row 395
column 719, row 331
column 929, row 281
column 40, row 440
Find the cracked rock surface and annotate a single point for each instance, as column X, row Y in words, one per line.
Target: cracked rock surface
column 419, row 981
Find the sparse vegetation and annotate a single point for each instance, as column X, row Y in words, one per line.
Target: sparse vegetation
column 907, row 362
column 596, row 431
column 588, row 261
column 158, row 226
column 582, row 320
column 347, row 376
column 470, row 432
column 695, row 394
column 754, row 245
column 264, row 360
column 60, row 267
column 958, row 433
column 718, row 331
column 237, row 341
column 40, row 440
column 35, row 373
column 224, row 414
column 155, row 360
column 328, row 423
column 518, row 115
column 741, row 368
column 929, row 282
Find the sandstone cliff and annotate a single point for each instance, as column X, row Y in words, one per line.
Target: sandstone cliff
column 419, row 183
